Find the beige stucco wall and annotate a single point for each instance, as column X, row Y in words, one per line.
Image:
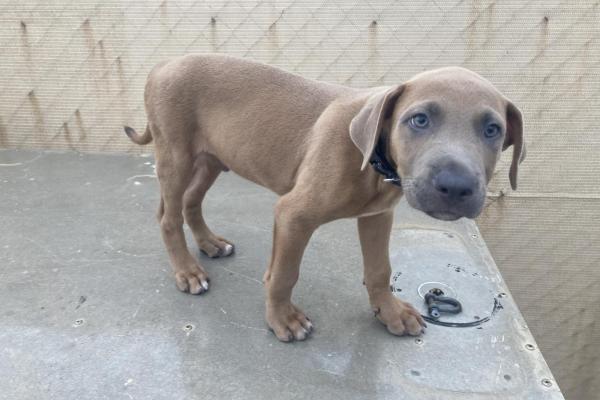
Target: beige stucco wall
column 71, row 73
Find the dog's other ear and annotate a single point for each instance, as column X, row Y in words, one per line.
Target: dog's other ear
column 514, row 138
column 366, row 126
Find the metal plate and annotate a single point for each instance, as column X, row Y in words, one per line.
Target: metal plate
column 447, row 265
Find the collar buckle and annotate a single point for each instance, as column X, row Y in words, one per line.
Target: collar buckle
column 382, row 166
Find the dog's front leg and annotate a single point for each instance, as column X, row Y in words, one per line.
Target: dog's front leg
column 291, row 233
column 399, row 317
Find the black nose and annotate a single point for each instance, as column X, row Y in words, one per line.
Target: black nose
column 453, row 185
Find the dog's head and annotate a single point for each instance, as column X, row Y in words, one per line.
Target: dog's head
column 445, row 131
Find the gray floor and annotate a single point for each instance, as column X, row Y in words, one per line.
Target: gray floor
column 88, row 308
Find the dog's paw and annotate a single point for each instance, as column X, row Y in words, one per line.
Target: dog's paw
column 193, row 280
column 288, row 322
column 399, row 317
column 215, row 247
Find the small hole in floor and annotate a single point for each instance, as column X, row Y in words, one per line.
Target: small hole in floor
column 546, row 382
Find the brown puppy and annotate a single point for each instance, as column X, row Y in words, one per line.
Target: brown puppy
column 311, row 143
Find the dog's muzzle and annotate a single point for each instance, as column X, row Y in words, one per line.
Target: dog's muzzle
column 449, row 192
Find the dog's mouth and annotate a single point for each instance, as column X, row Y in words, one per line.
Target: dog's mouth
column 444, row 215
column 440, row 210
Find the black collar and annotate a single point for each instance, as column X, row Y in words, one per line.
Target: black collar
column 382, row 166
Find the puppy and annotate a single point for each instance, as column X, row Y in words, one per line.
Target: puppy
column 329, row 152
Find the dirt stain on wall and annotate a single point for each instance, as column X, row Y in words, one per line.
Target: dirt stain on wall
column 273, row 39
column 121, row 75
column 88, row 33
column 471, row 30
column 542, row 42
column 123, row 102
column 164, row 19
column 39, row 123
column 480, row 32
column 163, row 9
column 213, row 35
column 25, row 45
column 94, row 64
column 585, row 67
column 66, row 131
column 103, row 59
column 3, row 134
column 373, row 58
column 80, row 126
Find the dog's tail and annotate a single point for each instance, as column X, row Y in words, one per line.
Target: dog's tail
column 136, row 137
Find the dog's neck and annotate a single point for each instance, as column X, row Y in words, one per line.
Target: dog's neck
column 382, row 165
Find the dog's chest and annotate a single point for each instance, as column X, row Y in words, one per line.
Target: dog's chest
column 384, row 201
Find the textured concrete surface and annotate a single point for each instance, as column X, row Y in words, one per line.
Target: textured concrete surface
column 88, row 308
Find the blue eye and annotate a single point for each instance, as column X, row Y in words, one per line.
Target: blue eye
column 492, row 130
column 419, row 121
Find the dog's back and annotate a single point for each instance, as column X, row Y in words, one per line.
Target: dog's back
column 225, row 102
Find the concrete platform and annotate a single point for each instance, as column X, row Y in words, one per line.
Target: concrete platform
column 89, row 309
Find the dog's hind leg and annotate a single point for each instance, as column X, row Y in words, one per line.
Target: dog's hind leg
column 175, row 171
column 206, row 169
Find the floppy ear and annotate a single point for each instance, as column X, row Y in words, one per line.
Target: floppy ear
column 514, row 138
column 366, row 126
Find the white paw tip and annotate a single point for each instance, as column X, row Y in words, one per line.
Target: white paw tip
column 204, row 285
column 301, row 335
column 228, row 249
